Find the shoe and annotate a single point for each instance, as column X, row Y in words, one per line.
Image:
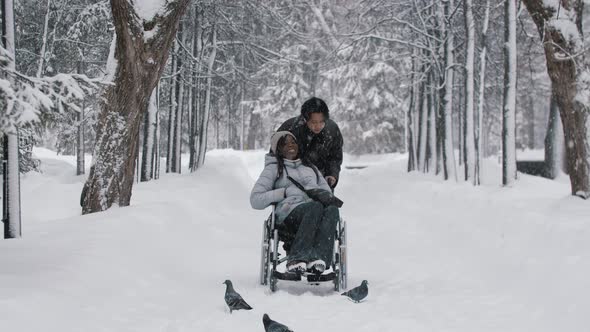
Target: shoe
column 317, row 266
column 296, row 266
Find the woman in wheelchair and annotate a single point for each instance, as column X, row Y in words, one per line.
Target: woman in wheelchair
column 310, row 225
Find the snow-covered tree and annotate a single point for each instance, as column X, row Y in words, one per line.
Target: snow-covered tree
column 144, row 34
column 560, row 26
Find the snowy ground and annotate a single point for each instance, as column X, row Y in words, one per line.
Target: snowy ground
column 438, row 256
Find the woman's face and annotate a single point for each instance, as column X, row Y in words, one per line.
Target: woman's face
column 290, row 148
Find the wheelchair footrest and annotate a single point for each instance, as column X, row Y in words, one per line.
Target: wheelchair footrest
column 322, row 277
column 287, row 276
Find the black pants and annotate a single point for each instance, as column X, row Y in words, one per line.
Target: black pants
column 314, row 229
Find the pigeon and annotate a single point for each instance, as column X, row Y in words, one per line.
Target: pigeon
column 358, row 293
column 272, row 326
column 233, row 299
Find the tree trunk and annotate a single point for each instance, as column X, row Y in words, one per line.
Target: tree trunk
column 253, row 130
column 449, row 169
column 207, row 110
column 172, row 111
column 11, row 207
column 431, row 149
column 140, row 62
column 80, row 151
column 422, row 127
column 570, row 78
column 44, row 40
column 149, row 135
column 482, row 84
column 469, row 126
column 196, row 93
column 461, row 120
column 80, row 142
column 410, row 119
column 554, row 143
column 509, row 109
column 179, row 107
column 177, row 145
column 156, row 152
column 531, row 122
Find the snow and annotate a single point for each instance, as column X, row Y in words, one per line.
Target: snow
column 564, row 20
column 148, row 9
column 148, row 35
column 439, row 256
column 112, row 62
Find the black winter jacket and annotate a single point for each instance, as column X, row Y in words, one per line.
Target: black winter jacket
column 324, row 150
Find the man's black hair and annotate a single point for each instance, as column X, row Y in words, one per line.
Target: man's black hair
column 314, row 105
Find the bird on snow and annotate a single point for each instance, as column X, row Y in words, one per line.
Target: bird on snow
column 272, row 326
column 358, row 293
column 233, row 299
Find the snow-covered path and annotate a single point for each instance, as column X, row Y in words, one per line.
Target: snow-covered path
column 438, row 256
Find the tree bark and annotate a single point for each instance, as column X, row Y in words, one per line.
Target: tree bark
column 140, row 62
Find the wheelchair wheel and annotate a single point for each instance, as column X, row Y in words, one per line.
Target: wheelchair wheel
column 342, row 261
column 265, row 255
column 336, row 272
column 273, row 283
column 273, row 260
column 339, row 258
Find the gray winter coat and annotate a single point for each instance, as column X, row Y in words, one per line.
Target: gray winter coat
column 264, row 193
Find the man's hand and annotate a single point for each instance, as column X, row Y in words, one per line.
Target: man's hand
column 331, row 180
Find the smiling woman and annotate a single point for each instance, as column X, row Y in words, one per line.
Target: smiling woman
column 285, row 181
column 289, row 147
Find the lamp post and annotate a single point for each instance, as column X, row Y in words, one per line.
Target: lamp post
column 10, row 163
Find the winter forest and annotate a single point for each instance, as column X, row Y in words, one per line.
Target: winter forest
column 466, row 170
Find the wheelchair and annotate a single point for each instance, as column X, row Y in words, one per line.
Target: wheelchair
column 270, row 259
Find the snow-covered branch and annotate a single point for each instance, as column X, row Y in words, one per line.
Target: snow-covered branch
column 24, row 97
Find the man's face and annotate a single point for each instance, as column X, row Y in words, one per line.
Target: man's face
column 316, row 122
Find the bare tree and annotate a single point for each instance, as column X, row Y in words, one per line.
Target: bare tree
column 469, row 125
column 410, row 118
column 141, row 52
column 449, row 169
column 481, row 95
